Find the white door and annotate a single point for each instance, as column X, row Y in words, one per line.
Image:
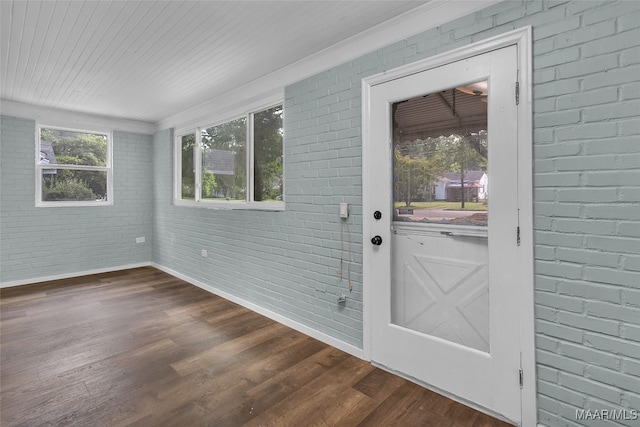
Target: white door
column 444, row 293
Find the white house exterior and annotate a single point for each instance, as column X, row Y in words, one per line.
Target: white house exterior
column 475, row 183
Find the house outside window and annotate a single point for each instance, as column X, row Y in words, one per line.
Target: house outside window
column 73, row 167
column 236, row 164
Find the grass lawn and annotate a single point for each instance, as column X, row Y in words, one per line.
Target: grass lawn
column 452, row 206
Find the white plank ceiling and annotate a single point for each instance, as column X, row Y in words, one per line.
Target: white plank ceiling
column 148, row 60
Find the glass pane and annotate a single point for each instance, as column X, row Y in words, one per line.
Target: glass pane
column 267, row 140
column 441, row 171
column 188, row 186
column 439, row 268
column 73, row 185
column 224, row 175
column 67, row 147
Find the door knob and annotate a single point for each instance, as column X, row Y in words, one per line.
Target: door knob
column 376, row 240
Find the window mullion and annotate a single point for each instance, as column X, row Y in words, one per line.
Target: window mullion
column 250, row 159
column 197, row 164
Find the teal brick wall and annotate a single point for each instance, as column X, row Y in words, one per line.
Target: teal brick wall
column 44, row 242
column 285, row 262
column 586, row 70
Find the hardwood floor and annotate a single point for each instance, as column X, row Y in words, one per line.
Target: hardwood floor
column 142, row 348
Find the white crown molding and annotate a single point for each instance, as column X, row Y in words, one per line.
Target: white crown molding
column 73, row 119
column 410, row 23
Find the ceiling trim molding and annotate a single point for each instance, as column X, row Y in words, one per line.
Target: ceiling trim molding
column 74, row 119
column 410, row 23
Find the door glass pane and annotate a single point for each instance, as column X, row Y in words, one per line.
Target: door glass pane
column 440, row 283
column 440, row 154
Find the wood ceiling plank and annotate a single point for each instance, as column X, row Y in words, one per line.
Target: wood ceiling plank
column 17, row 16
column 34, row 68
column 60, row 52
column 149, row 60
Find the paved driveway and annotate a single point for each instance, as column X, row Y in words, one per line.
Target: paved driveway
column 438, row 214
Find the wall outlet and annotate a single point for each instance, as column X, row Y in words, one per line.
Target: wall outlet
column 140, row 239
column 204, row 253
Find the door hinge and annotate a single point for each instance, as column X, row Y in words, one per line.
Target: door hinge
column 518, row 235
column 520, row 377
column 517, row 93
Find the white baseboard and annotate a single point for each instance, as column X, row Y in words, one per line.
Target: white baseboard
column 70, row 275
column 313, row 333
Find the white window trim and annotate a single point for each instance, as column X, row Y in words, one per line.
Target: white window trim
column 75, row 203
column 248, row 203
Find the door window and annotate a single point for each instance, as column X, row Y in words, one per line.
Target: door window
column 440, row 152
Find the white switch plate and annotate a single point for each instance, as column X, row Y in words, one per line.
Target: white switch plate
column 204, row 253
column 344, row 210
column 140, row 239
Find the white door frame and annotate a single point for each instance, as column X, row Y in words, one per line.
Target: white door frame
column 522, row 39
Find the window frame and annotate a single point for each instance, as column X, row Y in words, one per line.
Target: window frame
column 248, row 203
column 73, row 203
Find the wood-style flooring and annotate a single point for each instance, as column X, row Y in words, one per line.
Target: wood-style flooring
column 142, row 348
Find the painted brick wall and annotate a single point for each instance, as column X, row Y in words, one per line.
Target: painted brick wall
column 587, row 187
column 587, row 193
column 286, row 262
column 45, row 242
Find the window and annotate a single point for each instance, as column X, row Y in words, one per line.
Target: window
column 234, row 164
column 73, row 167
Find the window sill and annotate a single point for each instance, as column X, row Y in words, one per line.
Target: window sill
column 233, row 205
column 70, row 204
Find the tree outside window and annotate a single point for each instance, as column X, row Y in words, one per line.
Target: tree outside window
column 239, row 160
column 73, row 166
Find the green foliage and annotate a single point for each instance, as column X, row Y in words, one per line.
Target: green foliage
column 78, row 149
column 188, row 169
column 268, row 163
column 96, row 181
column 229, row 136
column 413, row 177
column 419, row 163
column 232, row 137
column 67, row 189
column 465, row 156
column 461, row 154
column 208, row 184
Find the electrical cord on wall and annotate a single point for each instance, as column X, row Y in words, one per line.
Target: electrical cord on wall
column 342, row 258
